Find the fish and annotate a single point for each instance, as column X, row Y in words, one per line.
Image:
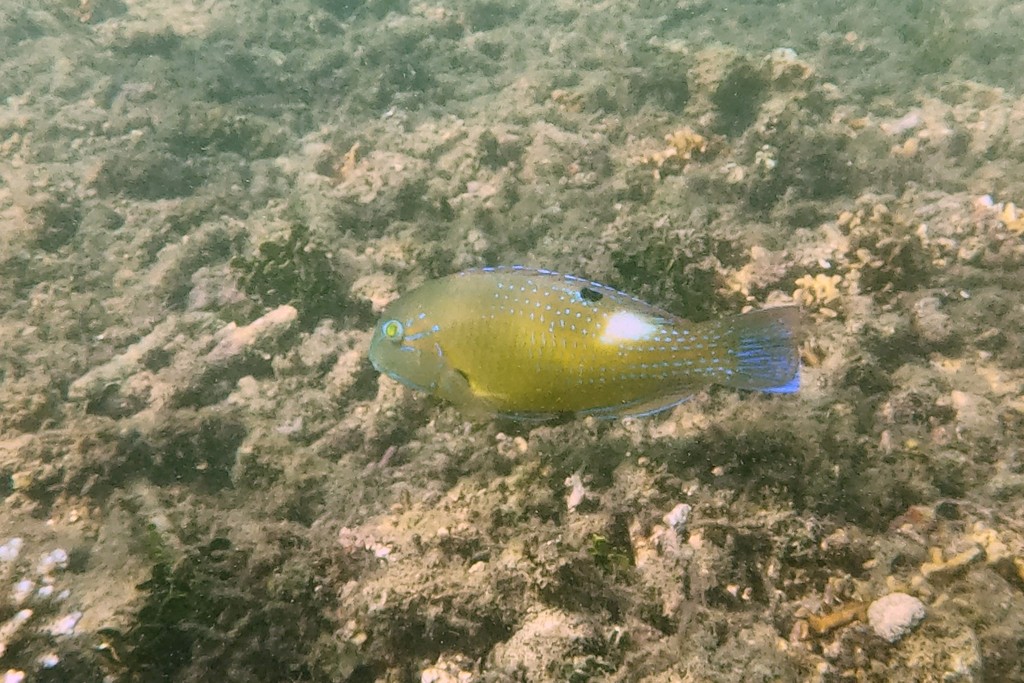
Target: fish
column 533, row 344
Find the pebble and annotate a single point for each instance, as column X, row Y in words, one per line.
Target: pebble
column 49, row 660
column 22, row 590
column 65, row 626
column 55, row 559
column 677, row 517
column 435, row 675
column 9, row 551
column 577, row 492
column 11, row 626
column 893, row 616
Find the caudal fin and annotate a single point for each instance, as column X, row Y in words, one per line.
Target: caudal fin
column 766, row 350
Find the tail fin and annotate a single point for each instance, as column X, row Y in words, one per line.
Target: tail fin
column 766, row 350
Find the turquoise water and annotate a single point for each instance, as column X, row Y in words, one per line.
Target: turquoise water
column 204, row 207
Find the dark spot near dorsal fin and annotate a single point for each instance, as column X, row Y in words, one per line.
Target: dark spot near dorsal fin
column 589, row 294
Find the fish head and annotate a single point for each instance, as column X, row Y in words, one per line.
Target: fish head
column 405, row 346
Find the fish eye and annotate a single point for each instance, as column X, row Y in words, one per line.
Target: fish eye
column 393, row 329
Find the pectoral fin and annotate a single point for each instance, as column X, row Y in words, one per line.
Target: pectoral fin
column 454, row 386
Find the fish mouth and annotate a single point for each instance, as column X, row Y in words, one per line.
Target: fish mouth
column 412, row 385
column 376, row 363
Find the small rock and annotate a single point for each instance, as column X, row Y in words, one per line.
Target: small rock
column 435, row 675
column 577, row 492
column 11, row 626
column 65, row 626
column 234, row 340
column 447, row 671
column 49, row 660
column 10, row 550
column 546, row 640
column 895, row 615
column 55, row 559
column 22, row 590
column 677, row 517
column 931, row 322
column 21, row 480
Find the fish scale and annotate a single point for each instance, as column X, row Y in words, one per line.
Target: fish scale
column 534, row 343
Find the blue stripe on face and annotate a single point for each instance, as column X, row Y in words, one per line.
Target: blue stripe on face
column 425, row 333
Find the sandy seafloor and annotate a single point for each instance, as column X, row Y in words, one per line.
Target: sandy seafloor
column 204, row 205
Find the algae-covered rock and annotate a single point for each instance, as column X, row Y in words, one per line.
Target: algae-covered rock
column 550, row 645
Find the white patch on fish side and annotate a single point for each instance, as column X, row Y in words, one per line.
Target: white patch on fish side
column 624, row 326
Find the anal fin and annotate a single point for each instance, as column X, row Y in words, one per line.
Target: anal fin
column 640, row 408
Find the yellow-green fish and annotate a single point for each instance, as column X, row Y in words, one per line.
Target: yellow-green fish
column 535, row 344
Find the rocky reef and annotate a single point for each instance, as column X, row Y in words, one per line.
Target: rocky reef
column 203, row 209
